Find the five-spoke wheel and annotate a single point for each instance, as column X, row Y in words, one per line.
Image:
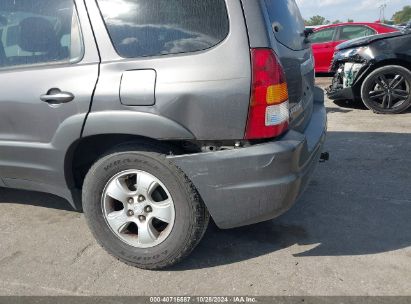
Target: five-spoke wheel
column 142, row 209
column 138, row 208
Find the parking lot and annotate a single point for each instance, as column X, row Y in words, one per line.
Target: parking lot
column 350, row 234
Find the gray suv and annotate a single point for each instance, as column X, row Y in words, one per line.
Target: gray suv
column 153, row 116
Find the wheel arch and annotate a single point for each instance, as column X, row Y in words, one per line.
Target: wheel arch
column 83, row 153
column 379, row 64
column 104, row 130
column 134, row 123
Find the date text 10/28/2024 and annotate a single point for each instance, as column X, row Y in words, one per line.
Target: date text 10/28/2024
column 203, row 300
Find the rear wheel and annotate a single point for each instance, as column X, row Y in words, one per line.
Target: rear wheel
column 387, row 90
column 142, row 209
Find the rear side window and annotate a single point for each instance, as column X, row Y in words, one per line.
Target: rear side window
column 287, row 23
column 38, row 32
column 140, row 28
column 353, row 31
column 322, row 36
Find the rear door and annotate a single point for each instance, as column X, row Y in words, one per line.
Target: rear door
column 48, row 70
column 349, row 32
column 287, row 26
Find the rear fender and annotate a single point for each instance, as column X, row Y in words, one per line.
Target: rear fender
column 135, row 123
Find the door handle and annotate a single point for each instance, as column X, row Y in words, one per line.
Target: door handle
column 56, row 96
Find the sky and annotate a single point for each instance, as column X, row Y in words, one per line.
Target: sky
column 359, row 10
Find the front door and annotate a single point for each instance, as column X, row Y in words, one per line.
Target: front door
column 48, row 70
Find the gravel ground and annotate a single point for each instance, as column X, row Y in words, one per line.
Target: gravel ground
column 350, row 234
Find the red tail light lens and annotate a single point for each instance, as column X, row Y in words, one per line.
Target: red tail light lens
column 269, row 109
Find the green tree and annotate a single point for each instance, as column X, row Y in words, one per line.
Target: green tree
column 315, row 20
column 336, row 21
column 350, row 20
column 403, row 15
column 385, row 21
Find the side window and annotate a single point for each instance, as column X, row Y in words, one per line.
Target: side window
column 353, row 31
column 321, row 36
column 140, row 28
column 38, row 32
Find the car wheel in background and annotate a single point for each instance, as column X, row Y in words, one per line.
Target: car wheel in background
column 387, row 90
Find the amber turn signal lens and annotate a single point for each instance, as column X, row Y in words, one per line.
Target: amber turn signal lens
column 277, row 93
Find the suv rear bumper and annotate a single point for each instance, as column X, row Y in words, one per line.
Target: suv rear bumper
column 258, row 183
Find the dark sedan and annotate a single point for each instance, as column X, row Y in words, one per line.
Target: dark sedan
column 376, row 70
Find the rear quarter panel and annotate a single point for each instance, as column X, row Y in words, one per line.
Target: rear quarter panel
column 207, row 92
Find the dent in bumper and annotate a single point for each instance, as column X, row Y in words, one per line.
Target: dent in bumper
column 258, row 183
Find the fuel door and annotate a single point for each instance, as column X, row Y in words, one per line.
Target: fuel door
column 137, row 88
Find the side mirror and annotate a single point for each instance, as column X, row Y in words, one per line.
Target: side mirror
column 308, row 32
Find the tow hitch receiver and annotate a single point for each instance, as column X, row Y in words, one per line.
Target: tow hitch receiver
column 324, row 157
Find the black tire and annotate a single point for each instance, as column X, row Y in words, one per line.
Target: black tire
column 378, row 92
column 191, row 215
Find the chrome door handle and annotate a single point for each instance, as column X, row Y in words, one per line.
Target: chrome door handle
column 56, row 96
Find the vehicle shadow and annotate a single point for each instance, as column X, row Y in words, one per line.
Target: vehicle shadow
column 324, row 75
column 337, row 110
column 351, row 104
column 355, row 105
column 358, row 203
column 37, row 199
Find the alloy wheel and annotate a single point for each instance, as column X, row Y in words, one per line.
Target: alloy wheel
column 138, row 208
column 389, row 91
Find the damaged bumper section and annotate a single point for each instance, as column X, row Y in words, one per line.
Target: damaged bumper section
column 257, row 183
column 349, row 66
column 344, row 79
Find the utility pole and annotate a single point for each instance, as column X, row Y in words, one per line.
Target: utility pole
column 382, row 11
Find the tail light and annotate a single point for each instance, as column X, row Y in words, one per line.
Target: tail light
column 269, row 108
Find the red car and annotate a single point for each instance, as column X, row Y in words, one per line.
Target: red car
column 326, row 38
